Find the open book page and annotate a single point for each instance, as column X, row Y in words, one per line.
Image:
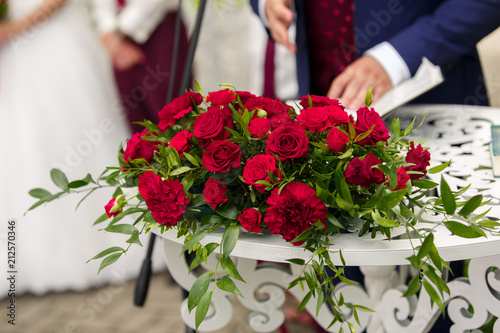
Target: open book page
column 427, row 77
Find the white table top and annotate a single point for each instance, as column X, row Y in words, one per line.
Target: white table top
column 460, row 133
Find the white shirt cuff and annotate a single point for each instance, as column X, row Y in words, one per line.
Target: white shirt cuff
column 262, row 13
column 391, row 61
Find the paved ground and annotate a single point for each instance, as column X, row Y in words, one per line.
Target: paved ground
column 110, row 310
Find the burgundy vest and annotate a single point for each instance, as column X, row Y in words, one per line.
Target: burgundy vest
column 330, row 36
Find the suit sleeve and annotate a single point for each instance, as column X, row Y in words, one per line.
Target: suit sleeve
column 104, row 13
column 140, row 18
column 451, row 32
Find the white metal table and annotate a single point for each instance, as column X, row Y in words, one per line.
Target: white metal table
column 459, row 133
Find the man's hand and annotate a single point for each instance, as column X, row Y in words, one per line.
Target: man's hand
column 353, row 83
column 280, row 16
column 123, row 52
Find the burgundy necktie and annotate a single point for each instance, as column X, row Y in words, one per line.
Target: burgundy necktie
column 330, row 36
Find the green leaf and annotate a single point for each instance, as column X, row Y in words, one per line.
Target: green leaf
column 106, row 252
column 229, row 240
column 438, row 168
column 424, row 184
column 488, row 224
column 426, row 246
column 39, row 193
column 199, row 200
column 302, row 237
column 134, row 239
column 109, row 260
column 230, row 268
column 449, row 202
column 369, row 97
column 383, row 221
column 436, row 259
column 229, row 212
column 202, row 309
column 461, row 230
column 59, row 178
column 126, row 229
column 390, row 200
column 433, row 294
column 304, row 301
column 101, row 218
column 199, row 288
column 200, row 234
column 341, row 185
column 191, row 159
column 77, row 184
column 297, row 261
column 413, row 287
column 226, row 284
column 471, row 205
column 180, row 171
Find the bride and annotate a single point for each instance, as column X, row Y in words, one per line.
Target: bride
column 58, row 109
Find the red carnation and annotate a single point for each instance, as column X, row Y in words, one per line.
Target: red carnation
column 250, row 220
column 288, row 142
column 209, row 126
column 420, row 157
column 137, row 147
column 214, row 192
column 336, row 140
column 293, row 211
column 177, row 109
column 181, row 142
column 221, row 97
column 365, row 119
column 403, row 178
column 165, row 198
column 361, row 172
column 221, row 156
column 314, row 119
column 256, row 169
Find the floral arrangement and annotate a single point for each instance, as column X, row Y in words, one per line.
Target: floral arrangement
column 240, row 161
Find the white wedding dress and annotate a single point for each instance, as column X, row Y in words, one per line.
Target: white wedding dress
column 58, row 108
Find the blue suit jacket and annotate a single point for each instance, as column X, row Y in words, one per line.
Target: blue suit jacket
column 444, row 31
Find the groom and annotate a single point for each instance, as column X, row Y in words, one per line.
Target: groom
column 139, row 37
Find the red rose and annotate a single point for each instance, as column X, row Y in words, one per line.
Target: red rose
column 259, row 127
column 214, row 192
column 293, row 211
column 256, row 169
column 112, row 209
column 403, row 178
column 137, row 148
column 221, row 156
column 221, row 97
column 288, row 142
column 360, row 172
column 177, row 109
column 165, row 198
column 366, row 118
column 277, row 112
column 245, row 96
column 337, row 115
column 420, row 157
column 250, row 220
column 318, row 101
column 336, row 140
column 314, row 119
column 209, row 126
column 181, row 142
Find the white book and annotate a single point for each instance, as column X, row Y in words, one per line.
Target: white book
column 427, row 77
